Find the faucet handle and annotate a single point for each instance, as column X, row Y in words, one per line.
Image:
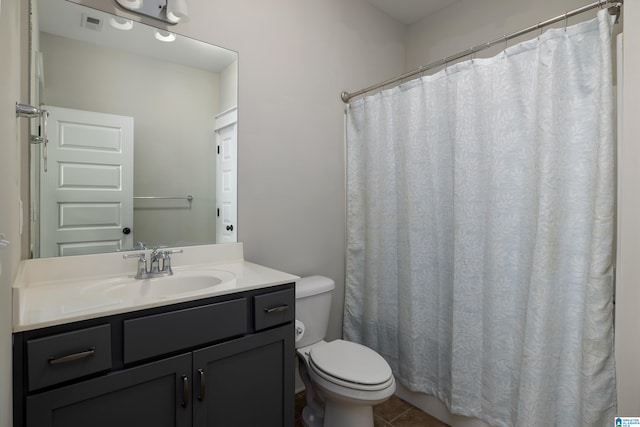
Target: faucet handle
column 139, row 255
column 166, row 260
column 157, row 252
column 142, row 264
column 173, row 251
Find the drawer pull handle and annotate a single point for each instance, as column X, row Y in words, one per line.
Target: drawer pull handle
column 185, row 391
column 72, row 357
column 203, row 385
column 277, row 308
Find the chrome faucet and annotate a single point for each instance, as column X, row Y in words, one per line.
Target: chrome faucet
column 155, row 257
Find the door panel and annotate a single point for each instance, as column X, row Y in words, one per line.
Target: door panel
column 87, row 189
column 245, row 382
column 148, row 395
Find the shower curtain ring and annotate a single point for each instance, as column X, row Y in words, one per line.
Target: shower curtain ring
column 566, row 21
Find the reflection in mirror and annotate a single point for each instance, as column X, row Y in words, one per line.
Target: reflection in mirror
column 137, row 117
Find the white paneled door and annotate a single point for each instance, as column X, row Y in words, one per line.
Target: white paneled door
column 226, row 177
column 86, row 194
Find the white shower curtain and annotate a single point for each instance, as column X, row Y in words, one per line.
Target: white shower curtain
column 480, row 231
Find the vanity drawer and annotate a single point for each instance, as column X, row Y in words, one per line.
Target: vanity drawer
column 163, row 333
column 63, row 357
column 274, row 308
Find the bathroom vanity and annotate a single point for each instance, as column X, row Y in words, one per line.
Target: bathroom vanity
column 216, row 356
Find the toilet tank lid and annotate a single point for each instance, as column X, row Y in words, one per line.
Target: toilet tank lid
column 313, row 285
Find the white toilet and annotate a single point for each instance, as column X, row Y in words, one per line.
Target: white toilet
column 343, row 379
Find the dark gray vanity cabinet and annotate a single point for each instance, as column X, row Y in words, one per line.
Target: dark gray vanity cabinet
column 222, row 361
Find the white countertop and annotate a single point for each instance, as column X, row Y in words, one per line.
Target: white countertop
column 54, row 291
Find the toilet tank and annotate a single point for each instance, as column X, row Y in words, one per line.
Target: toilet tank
column 313, row 305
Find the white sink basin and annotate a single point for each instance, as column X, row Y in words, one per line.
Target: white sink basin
column 183, row 282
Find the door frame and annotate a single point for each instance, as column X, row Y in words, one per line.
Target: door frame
column 227, row 216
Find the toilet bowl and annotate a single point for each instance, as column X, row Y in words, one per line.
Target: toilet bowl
column 343, row 380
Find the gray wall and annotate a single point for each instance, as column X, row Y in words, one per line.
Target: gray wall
column 628, row 268
column 468, row 23
column 12, row 88
column 229, row 87
column 294, row 59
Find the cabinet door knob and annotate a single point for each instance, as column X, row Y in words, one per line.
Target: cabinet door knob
column 185, row 391
column 203, row 385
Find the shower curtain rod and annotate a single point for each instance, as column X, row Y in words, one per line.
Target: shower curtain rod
column 613, row 10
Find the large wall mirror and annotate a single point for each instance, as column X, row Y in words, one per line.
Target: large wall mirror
column 141, row 135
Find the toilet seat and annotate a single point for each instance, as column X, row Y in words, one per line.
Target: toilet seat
column 351, row 365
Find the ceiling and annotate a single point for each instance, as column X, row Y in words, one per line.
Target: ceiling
column 410, row 11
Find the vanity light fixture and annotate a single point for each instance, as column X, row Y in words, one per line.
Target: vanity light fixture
column 177, row 11
column 121, row 23
column 131, row 4
column 169, row 11
column 164, row 36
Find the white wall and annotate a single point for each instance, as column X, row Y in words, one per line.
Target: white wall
column 10, row 182
column 229, row 87
column 468, row 23
column 295, row 57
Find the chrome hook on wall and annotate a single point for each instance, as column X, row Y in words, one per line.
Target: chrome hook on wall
column 30, row 112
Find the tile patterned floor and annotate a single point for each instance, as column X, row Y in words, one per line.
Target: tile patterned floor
column 395, row 412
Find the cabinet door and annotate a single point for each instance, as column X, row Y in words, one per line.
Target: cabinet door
column 156, row 394
column 246, row 382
